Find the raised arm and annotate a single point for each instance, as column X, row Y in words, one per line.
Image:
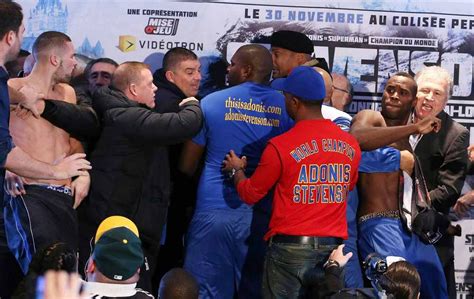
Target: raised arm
column 79, row 120
column 159, row 128
column 268, row 171
column 370, row 130
column 81, row 184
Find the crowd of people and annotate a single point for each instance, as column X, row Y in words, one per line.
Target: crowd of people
column 264, row 189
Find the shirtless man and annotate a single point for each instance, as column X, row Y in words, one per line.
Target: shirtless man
column 49, row 203
column 380, row 228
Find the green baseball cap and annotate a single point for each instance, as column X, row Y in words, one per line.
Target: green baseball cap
column 118, row 253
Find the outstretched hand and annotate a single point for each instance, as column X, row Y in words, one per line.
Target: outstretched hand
column 338, row 256
column 71, row 166
column 29, row 99
column 232, row 161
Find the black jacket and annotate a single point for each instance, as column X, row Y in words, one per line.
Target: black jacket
column 123, row 181
column 167, row 99
column 168, row 96
column 443, row 158
column 78, row 120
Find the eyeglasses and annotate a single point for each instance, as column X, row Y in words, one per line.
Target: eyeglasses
column 340, row 89
column 349, row 92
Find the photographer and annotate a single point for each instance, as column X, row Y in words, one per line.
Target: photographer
column 391, row 277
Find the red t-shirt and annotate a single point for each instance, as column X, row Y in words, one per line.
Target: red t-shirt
column 314, row 166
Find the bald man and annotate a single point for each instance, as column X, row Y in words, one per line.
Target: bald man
column 340, row 118
column 225, row 249
column 341, row 92
column 178, row 284
column 327, row 84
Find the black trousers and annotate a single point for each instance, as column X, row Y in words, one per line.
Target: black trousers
column 445, row 250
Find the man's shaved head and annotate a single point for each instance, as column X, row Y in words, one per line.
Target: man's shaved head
column 250, row 63
column 49, row 40
column 327, row 83
column 178, row 284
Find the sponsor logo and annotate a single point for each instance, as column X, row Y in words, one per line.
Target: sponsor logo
column 162, row 26
column 127, row 43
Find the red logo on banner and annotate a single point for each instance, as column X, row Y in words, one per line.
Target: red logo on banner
column 162, row 26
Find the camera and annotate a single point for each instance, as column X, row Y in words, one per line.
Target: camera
column 374, row 266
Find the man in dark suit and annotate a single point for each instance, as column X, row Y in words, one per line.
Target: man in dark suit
column 442, row 155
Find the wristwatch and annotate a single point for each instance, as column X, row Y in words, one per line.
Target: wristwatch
column 331, row 263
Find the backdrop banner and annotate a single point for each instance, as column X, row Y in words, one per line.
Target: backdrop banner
column 366, row 40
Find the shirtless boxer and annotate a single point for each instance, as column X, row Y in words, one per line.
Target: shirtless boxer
column 380, row 227
column 49, row 202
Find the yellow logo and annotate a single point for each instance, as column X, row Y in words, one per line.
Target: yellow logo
column 127, row 43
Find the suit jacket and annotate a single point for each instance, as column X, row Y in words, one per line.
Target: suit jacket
column 443, row 158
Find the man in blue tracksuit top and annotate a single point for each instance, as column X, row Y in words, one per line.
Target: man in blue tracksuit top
column 225, row 248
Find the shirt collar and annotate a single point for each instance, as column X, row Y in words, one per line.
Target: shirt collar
column 110, row 289
column 415, row 138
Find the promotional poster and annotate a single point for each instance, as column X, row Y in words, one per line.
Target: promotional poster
column 367, row 41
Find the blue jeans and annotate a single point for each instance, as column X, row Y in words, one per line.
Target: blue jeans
column 290, row 270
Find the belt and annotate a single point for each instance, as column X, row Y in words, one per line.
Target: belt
column 61, row 189
column 384, row 214
column 306, row 240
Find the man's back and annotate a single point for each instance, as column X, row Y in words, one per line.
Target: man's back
column 318, row 169
column 243, row 118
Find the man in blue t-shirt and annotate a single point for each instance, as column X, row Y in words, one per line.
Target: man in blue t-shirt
column 225, row 248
